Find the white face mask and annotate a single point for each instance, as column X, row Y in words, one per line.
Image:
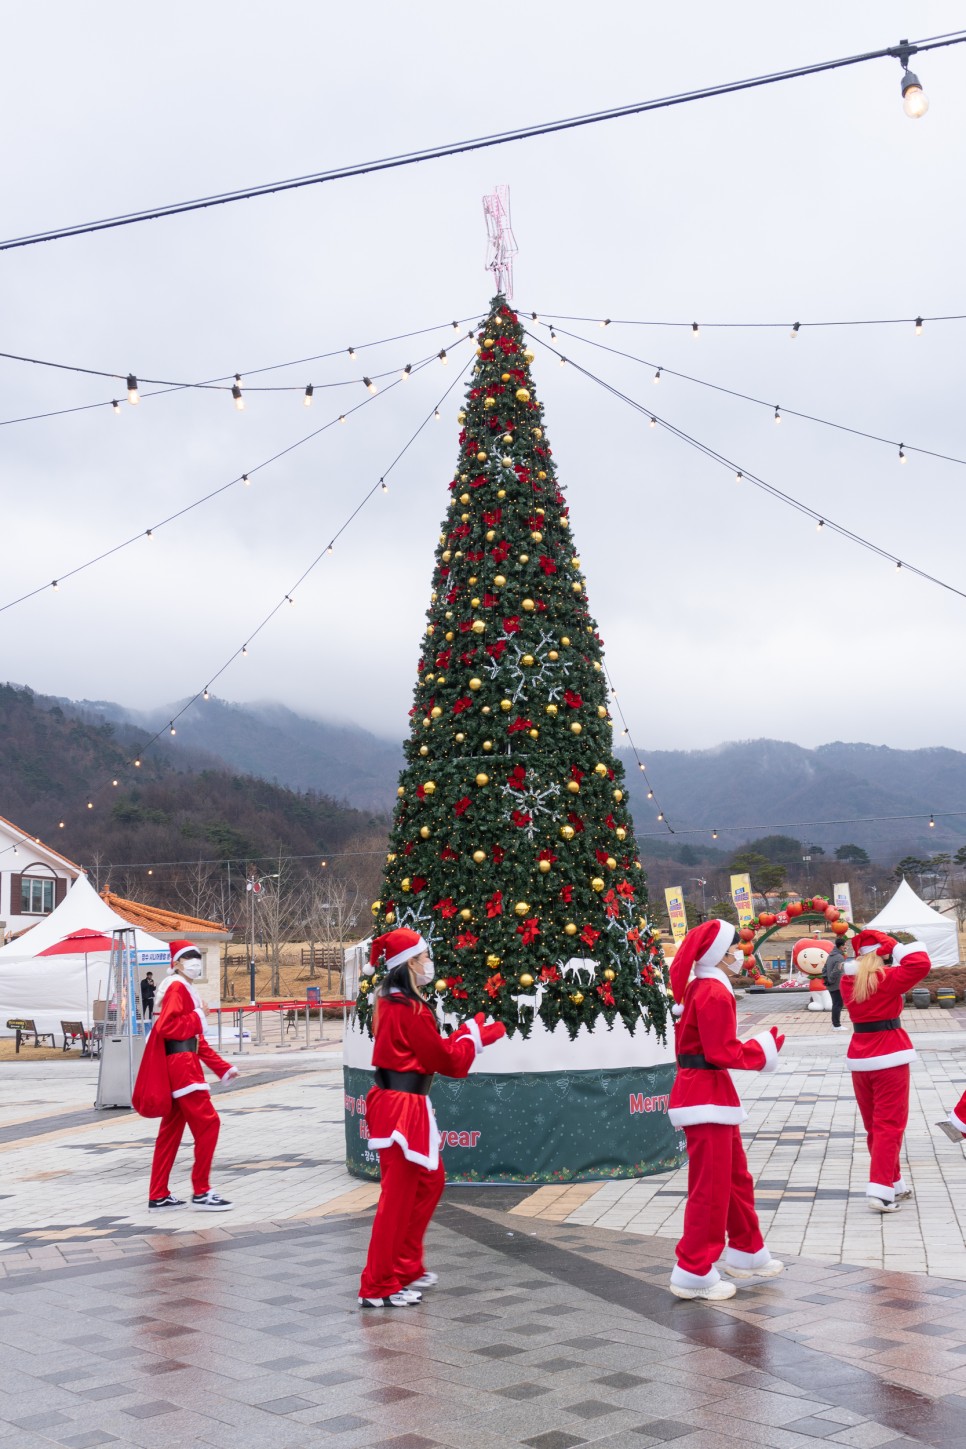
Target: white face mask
column 425, row 974
column 735, row 962
column 191, row 969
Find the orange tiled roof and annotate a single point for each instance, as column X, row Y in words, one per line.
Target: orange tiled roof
column 153, row 918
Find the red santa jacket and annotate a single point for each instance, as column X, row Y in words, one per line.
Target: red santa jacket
column 708, row 1027
column 873, row 1051
column 408, row 1039
column 162, row 1077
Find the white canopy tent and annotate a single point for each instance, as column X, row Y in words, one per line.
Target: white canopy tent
column 908, row 912
column 51, row 989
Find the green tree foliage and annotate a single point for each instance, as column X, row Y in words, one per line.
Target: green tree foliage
column 724, row 911
column 512, row 849
column 852, row 855
column 780, row 849
column 766, row 875
column 910, row 865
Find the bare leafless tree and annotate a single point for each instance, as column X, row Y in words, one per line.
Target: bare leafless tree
column 280, row 911
column 197, row 889
column 334, row 910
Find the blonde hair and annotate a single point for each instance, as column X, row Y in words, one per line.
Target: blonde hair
column 869, row 971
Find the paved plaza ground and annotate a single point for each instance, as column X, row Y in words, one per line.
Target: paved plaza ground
column 551, row 1326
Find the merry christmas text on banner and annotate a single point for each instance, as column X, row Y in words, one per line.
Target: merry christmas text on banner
column 741, row 895
column 677, row 916
column 842, row 899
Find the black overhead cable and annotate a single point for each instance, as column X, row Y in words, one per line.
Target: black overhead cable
column 479, row 143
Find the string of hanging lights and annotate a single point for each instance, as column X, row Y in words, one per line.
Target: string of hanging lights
column 378, row 488
column 914, row 100
column 243, row 479
column 742, row 474
column 795, row 329
column 662, row 371
column 230, row 383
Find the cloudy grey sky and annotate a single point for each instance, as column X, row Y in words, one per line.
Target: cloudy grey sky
column 725, row 614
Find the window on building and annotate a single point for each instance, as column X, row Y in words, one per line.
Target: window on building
column 36, row 897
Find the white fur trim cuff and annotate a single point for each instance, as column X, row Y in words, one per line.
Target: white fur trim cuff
column 195, row 1087
column 850, row 968
column 907, row 950
column 735, row 1258
column 879, row 1064
column 718, row 947
column 878, row 1189
column 473, row 1027
column 681, row 1278
column 767, row 1043
column 960, row 1126
column 707, row 1112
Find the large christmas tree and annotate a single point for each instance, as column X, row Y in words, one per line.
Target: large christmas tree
column 512, row 849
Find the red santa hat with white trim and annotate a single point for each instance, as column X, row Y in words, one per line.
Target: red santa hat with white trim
column 704, row 945
column 393, row 949
column 181, row 948
column 870, row 940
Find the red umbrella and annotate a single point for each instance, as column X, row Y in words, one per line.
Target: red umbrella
column 79, row 943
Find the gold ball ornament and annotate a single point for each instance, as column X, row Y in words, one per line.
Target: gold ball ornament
column 537, row 433
column 376, row 907
column 618, row 796
column 435, row 712
column 553, row 654
column 487, row 343
column 523, row 394
column 506, row 705
column 487, row 746
column 522, row 908
column 543, row 866
column 474, row 603
column 609, row 975
column 482, row 779
column 424, row 832
column 577, row 587
column 490, row 535
column 479, row 856
column 486, row 710
column 574, row 787
column 524, row 558
column 541, row 475
column 507, row 460
column 528, row 606
column 540, row 512
column 461, row 417
column 478, row 626
column 527, row 659
column 600, row 768
column 570, row 929
column 567, row 832
column 476, row 684
column 528, row 356
column 391, row 857
column 430, row 787
column 501, row 493
column 481, row 457
column 500, row 581
column 489, row 402
column 390, row 917
column 526, row 980
column 449, row 636
column 504, row 377
column 537, row 536
column 577, row 997
column 464, row 498
column 401, row 791
column 466, row 915
column 534, row 734
column 440, row 984
column 460, row 737
column 424, row 749
column 427, row 722
column 602, row 711
column 597, row 883
column 493, row 962
column 551, row 709
column 405, row 883
column 576, row 728
column 508, row 437
column 565, row 642
column 611, row 863
column 621, row 833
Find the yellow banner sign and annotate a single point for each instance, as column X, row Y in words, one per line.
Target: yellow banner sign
column 741, row 895
column 674, row 896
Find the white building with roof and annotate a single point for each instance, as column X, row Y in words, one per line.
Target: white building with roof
column 34, row 879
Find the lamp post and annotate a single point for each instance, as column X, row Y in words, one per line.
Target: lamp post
column 253, row 887
column 696, row 880
column 807, row 861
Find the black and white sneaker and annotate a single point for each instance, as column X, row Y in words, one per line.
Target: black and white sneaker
column 394, row 1300
column 210, row 1202
column 428, row 1280
column 166, row 1202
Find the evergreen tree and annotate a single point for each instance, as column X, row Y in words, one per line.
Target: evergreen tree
column 512, row 849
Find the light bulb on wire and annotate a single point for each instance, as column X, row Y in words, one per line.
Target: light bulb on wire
column 918, row 331
column 370, row 385
column 116, row 406
column 794, row 332
column 352, row 354
column 407, row 372
column 133, row 396
column 236, row 393
column 914, row 101
column 694, row 331
column 820, row 525
column 902, row 453
column 657, row 376
column 443, row 358
column 932, row 823
column 309, row 394
column 778, row 416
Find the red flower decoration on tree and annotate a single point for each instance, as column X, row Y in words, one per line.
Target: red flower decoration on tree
column 634, row 936
column 494, row 906
column 575, row 821
column 546, row 854
column 512, row 624
column 529, row 929
column 589, row 936
column 447, row 907
column 567, row 894
column 498, row 853
column 521, row 818
column 462, row 704
column 447, row 853
column 606, row 994
column 548, row 565
column 418, row 883
column 549, row 973
column 496, row 650
column 576, row 773
column 462, row 806
column 492, row 518
column 572, row 698
column 626, row 890
column 602, row 857
column 492, row 985
column 465, row 940
column 517, row 778
column 520, row 724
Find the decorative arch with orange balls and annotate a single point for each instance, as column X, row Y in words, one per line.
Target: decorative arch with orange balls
column 809, row 911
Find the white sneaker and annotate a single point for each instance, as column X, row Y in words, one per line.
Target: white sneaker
column 428, row 1280
column 879, row 1205
column 713, row 1293
column 840, row 1028
column 394, row 1300
column 211, row 1202
column 771, row 1269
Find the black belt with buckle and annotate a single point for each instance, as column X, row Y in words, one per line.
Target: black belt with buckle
column 698, row 1063
column 864, row 1027
column 190, row 1044
column 415, row 1082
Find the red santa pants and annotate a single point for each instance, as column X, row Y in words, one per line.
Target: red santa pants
column 958, row 1114
column 721, row 1198
column 406, row 1203
column 196, row 1111
column 883, row 1099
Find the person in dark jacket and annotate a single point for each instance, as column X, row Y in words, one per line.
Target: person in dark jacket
column 832, row 976
column 147, row 996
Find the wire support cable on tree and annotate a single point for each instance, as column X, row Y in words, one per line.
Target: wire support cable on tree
column 287, row 598
column 480, row 143
column 226, row 381
column 662, row 371
column 822, row 520
column 242, row 478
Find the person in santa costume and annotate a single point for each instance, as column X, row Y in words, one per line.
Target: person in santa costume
column 171, row 1083
column 879, row 1053
column 408, row 1050
column 720, row 1207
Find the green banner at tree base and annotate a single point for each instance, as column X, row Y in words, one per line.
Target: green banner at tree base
column 538, row 1127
